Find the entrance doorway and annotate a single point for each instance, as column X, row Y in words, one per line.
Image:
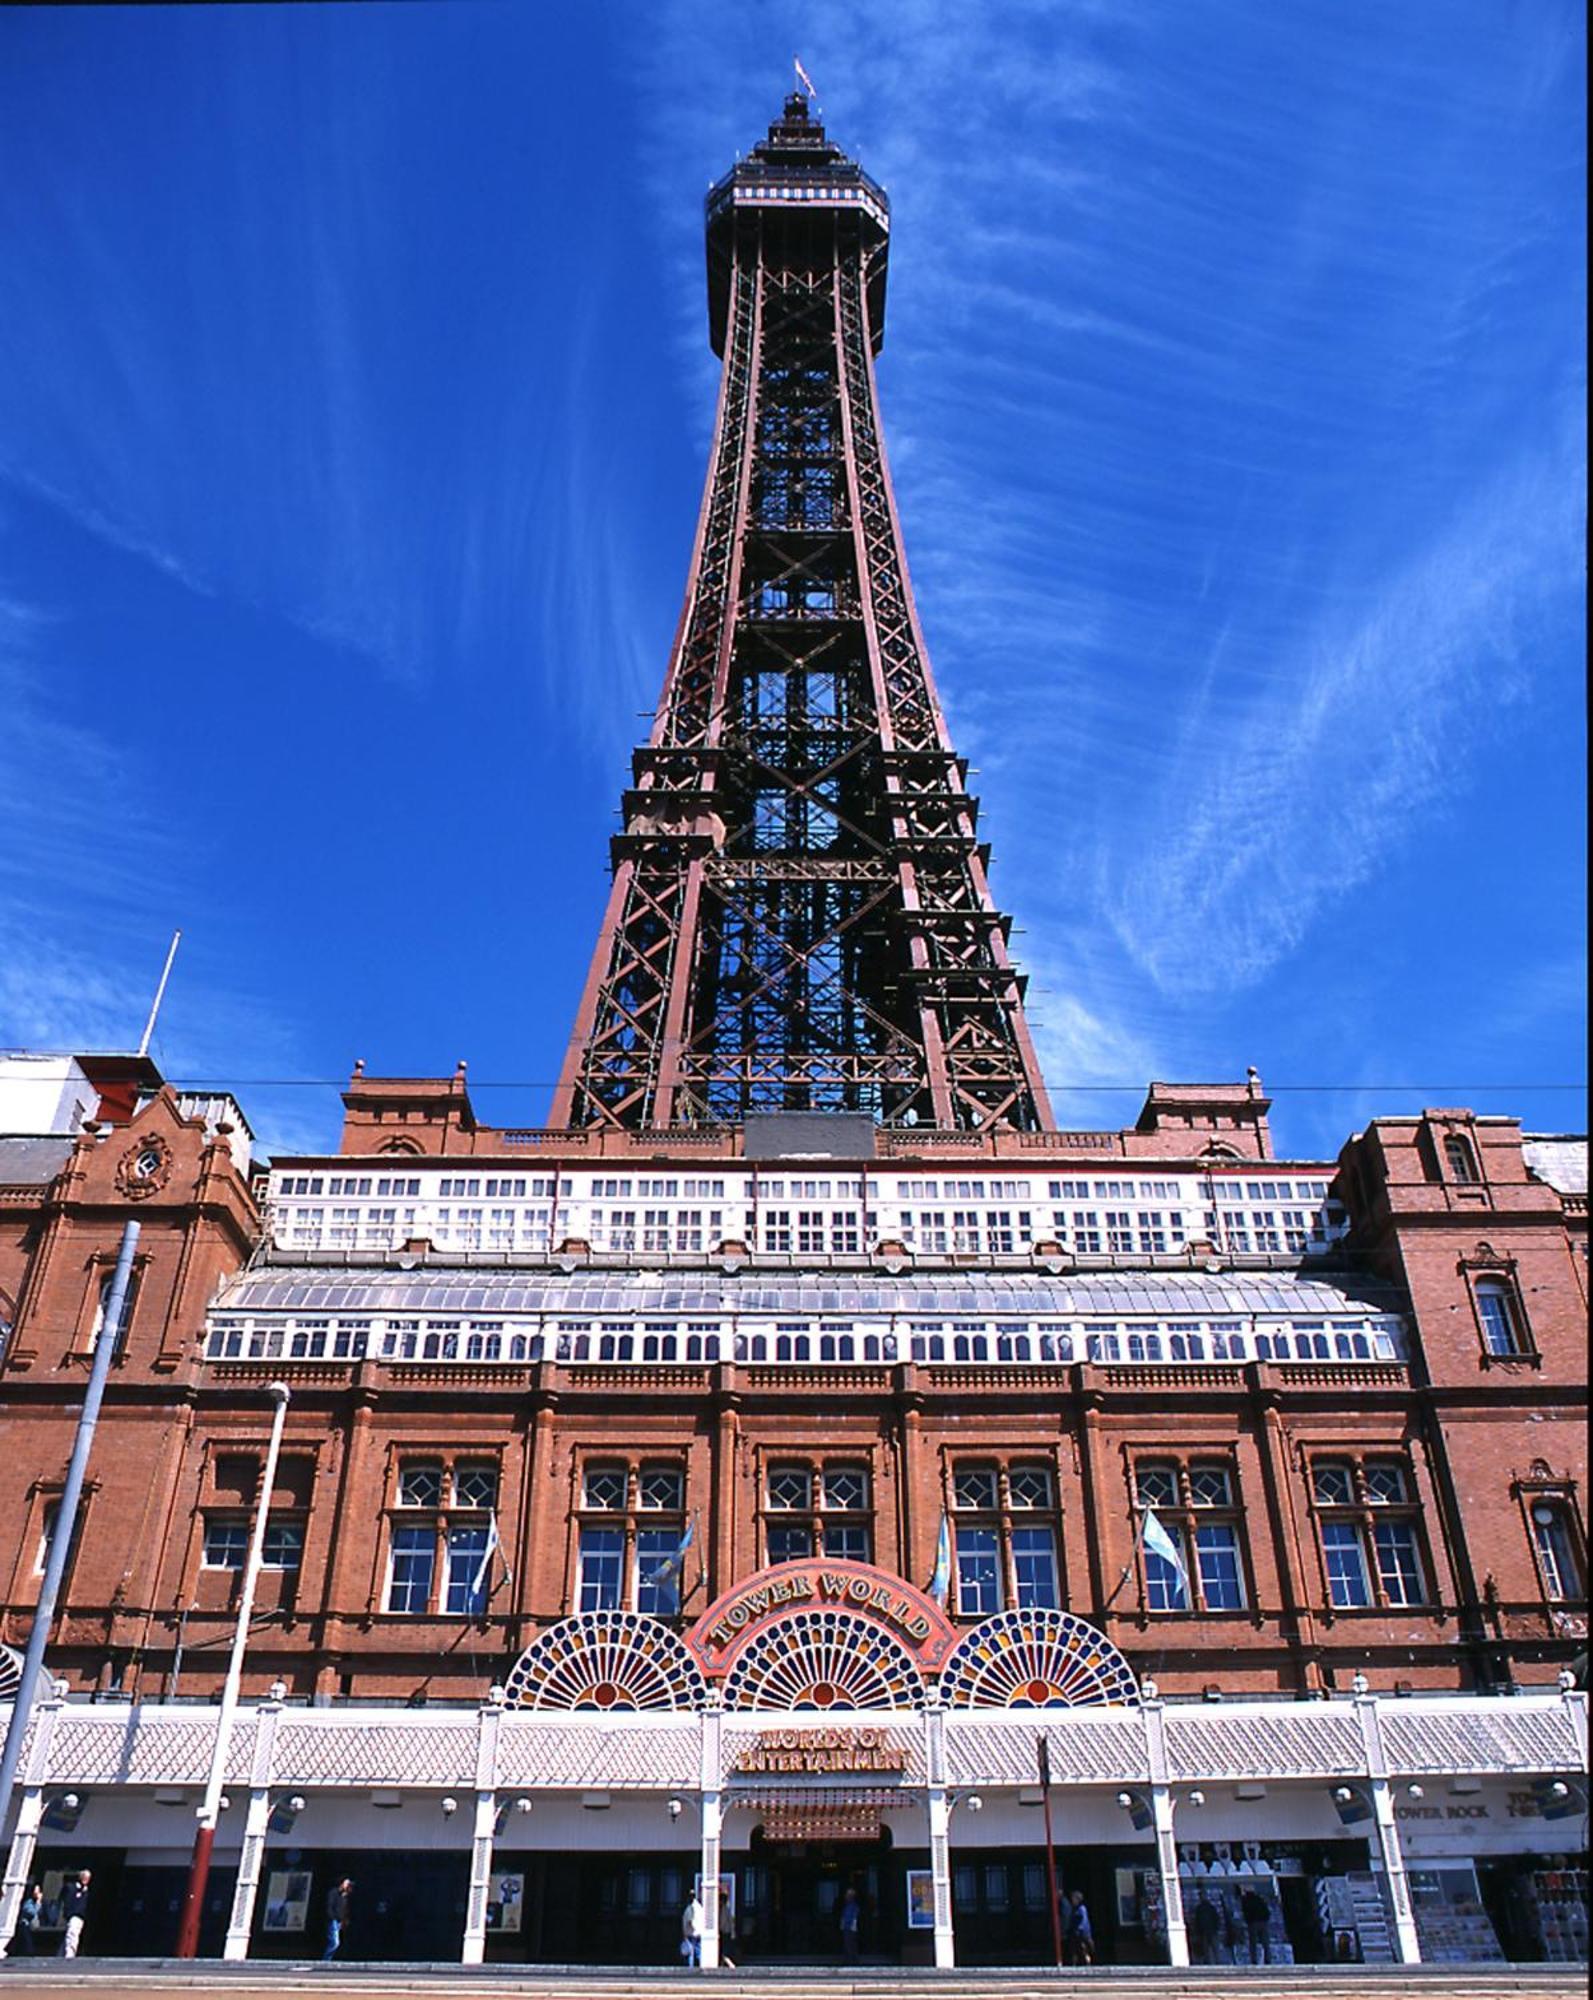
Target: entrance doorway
column 790, row 1894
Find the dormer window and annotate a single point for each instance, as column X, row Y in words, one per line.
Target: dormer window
column 1460, row 1162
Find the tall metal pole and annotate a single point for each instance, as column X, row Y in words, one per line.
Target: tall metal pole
column 160, row 994
column 1043, row 1751
column 66, row 1514
column 210, row 1810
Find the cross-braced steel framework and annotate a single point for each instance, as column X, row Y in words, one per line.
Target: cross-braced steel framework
column 800, row 918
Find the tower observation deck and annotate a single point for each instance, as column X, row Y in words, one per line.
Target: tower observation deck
column 800, row 918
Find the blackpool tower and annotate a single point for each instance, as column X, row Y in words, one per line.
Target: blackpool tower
column 800, row 918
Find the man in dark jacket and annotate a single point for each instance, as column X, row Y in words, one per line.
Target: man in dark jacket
column 338, row 1898
column 74, row 1907
column 1205, row 1924
column 1257, row 1913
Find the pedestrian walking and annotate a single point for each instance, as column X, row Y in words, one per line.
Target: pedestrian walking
column 1078, row 1942
column 74, row 1907
column 851, row 1922
column 691, row 1924
column 24, row 1939
column 1205, row 1924
column 1257, row 1913
column 339, row 1899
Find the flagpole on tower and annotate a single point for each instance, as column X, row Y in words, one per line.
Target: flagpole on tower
column 160, row 994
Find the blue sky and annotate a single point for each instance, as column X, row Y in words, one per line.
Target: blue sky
column 354, row 397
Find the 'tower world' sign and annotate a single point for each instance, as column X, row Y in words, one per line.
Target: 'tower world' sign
column 855, row 1588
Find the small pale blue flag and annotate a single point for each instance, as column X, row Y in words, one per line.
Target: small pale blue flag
column 940, row 1582
column 494, row 1548
column 1159, row 1543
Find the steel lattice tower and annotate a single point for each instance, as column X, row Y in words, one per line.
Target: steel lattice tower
column 799, row 918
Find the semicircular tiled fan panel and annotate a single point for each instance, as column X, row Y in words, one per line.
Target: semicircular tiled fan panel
column 606, row 1660
column 823, row 1660
column 10, row 1673
column 1032, row 1658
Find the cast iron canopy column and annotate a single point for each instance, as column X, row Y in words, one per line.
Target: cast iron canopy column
column 800, row 918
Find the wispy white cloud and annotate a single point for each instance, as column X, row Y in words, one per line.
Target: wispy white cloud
column 91, row 882
column 1097, row 1066
column 1274, row 814
column 317, row 392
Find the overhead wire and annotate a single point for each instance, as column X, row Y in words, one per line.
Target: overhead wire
column 550, row 1083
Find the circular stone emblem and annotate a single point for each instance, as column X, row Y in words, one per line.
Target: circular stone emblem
column 144, row 1170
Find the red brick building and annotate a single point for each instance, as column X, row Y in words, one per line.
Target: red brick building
column 1350, row 1394
column 1398, row 1343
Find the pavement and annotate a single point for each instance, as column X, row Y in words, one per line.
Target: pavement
column 108, row 1979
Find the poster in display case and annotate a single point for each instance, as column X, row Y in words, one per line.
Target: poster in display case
column 920, row 1899
column 727, row 1902
column 505, row 1901
column 287, row 1899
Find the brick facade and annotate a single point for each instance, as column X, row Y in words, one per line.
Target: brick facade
column 1483, row 1437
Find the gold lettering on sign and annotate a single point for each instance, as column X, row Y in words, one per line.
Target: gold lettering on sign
column 819, row 1750
column 834, row 1587
column 767, row 1597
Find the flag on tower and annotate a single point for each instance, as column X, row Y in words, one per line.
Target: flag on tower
column 940, row 1582
column 494, row 1548
column 803, row 78
column 1158, row 1542
column 673, row 1568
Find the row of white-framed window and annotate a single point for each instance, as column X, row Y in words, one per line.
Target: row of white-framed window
column 628, row 1342
column 816, row 1232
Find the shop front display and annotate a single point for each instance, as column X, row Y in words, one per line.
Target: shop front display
column 1232, row 1905
column 1494, row 1872
column 1451, row 1921
column 1352, row 1914
column 1558, row 1901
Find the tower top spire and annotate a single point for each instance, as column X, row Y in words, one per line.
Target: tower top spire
column 798, row 174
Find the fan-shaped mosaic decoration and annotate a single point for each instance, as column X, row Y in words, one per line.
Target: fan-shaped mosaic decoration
column 606, row 1660
column 10, row 1673
column 823, row 1659
column 1030, row 1658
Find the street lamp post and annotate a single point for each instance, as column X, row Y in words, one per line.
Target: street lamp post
column 105, row 1346
column 210, row 1810
column 1043, row 1752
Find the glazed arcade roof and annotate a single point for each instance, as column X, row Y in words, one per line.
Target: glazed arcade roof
column 300, row 1288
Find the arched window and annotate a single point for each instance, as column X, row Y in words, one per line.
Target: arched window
column 1500, row 1315
column 1460, row 1162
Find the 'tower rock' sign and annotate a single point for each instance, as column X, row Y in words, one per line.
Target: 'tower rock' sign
column 915, row 1620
